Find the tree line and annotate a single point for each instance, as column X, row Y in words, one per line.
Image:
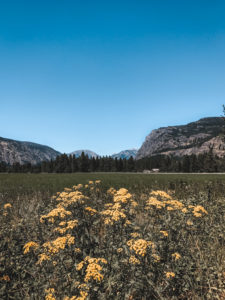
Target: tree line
column 206, row 162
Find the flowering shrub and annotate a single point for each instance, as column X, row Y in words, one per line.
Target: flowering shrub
column 95, row 244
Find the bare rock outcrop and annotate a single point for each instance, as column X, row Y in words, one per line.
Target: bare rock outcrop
column 193, row 138
column 12, row 151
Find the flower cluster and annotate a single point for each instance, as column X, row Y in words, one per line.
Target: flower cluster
column 29, row 245
column 115, row 211
column 161, row 199
column 59, row 212
column 59, row 244
column 91, row 210
column 68, row 225
column 198, row 211
column 50, row 295
column 93, row 268
column 139, row 246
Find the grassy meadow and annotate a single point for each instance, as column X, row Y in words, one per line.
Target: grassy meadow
column 112, row 236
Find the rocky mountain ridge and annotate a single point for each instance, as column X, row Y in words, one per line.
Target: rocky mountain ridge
column 125, row 154
column 193, row 138
column 12, row 151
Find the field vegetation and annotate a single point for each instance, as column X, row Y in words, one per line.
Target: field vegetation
column 112, row 236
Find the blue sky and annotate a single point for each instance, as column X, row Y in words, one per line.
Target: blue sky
column 100, row 75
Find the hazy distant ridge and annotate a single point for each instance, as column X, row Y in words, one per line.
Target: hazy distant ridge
column 90, row 153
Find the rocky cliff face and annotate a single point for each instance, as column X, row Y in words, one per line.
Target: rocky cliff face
column 193, row 138
column 12, row 151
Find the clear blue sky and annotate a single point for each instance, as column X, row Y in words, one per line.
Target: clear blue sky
column 100, row 75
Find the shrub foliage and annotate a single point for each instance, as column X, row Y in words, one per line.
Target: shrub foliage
column 88, row 243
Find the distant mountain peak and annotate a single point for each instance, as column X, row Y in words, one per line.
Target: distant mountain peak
column 125, row 154
column 90, row 153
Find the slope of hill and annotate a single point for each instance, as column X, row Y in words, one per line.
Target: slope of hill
column 90, row 153
column 12, row 151
column 125, row 154
column 193, row 138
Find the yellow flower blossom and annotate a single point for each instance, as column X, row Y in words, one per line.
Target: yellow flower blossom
column 189, row 222
column 59, row 244
column 170, row 274
column 135, row 234
column 198, row 210
column 49, row 295
column 169, row 208
column 7, row 205
column 57, row 212
column 93, row 269
column 156, row 257
column 139, row 246
column 176, row 255
column 133, row 260
column 5, row 278
column 92, row 211
column 161, row 194
column 29, row 245
column 42, row 257
column 165, row 233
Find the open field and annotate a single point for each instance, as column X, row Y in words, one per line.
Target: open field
column 14, row 185
column 129, row 236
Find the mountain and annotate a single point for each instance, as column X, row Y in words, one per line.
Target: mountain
column 125, row 154
column 90, row 153
column 193, row 138
column 12, row 151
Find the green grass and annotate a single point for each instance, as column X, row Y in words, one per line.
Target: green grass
column 14, row 185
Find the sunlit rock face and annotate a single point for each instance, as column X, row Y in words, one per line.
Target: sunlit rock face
column 193, row 138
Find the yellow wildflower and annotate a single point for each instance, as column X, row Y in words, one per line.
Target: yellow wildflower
column 42, row 257
column 133, row 260
column 165, row 233
column 135, row 234
column 92, row 211
column 189, row 222
column 7, row 205
column 198, row 210
column 5, row 278
column 119, row 250
column 170, row 274
column 29, row 245
column 49, row 295
column 176, row 255
column 139, row 246
column 161, row 194
column 156, row 257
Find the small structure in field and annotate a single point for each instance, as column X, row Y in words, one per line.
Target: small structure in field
column 154, row 170
column 151, row 171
